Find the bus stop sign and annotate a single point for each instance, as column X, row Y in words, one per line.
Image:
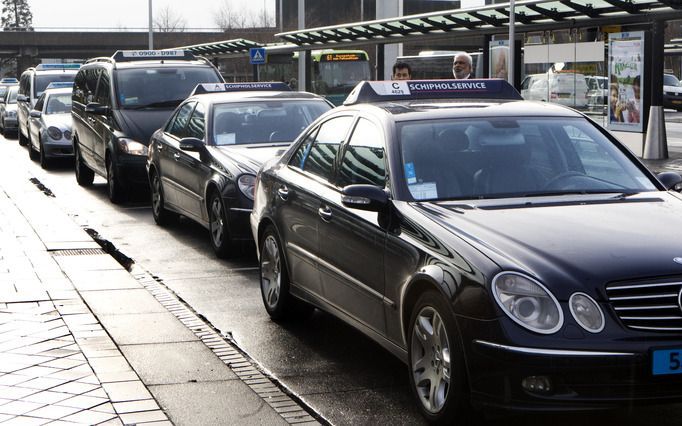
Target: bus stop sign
column 257, row 55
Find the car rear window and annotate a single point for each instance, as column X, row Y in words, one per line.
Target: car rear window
column 42, row 80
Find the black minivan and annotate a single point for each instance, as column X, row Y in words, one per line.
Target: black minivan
column 118, row 102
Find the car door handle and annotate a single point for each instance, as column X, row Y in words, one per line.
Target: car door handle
column 325, row 213
column 283, row 193
column 159, row 146
column 176, row 156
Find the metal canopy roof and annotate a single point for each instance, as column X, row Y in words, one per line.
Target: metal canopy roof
column 218, row 48
column 529, row 15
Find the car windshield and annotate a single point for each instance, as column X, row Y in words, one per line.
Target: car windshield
column 58, row 104
column 513, row 157
column 670, row 80
column 42, row 80
column 162, row 87
column 264, row 121
column 12, row 96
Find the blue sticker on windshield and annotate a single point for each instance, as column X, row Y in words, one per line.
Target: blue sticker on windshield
column 410, row 175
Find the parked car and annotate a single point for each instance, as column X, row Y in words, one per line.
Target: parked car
column 50, row 127
column 565, row 88
column 598, row 92
column 203, row 162
column 32, row 84
column 8, row 111
column 672, row 92
column 513, row 254
column 118, row 102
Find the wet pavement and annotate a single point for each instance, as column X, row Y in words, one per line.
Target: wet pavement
column 85, row 341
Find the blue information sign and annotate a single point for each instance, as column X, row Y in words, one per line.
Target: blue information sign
column 257, row 55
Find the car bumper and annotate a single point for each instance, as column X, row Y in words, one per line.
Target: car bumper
column 240, row 228
column 58, row 149
column 132, row 170
column 674, row 102
column 579, row 379
column 11, row 124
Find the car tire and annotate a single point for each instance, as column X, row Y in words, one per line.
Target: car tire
column 115, row 188
column 274, row 281
column 161, row 215
column 44, row 161
column 32, row 153
column 84, row 175
column 218, row 226
column 439, row 387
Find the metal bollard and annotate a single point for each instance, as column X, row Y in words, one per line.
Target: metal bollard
column 656, row 142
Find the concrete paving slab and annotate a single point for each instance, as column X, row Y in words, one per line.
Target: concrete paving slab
column 168, row 363
column 132, row 329
column 94, row 280
column 214, row 403
column 135, row 301
column 100, row 262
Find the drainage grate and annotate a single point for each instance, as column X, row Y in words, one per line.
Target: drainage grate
column 291, row 408
column 77, row 252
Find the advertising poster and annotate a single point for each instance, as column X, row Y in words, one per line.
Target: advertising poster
column 499, row 50
column 626, row 73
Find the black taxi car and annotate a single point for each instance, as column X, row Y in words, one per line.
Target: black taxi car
column 203, row 162
column 513, row 254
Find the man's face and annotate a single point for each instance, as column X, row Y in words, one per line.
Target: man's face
column 401, row 74
column 461, row 67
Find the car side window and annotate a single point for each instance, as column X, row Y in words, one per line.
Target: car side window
column 177, row 125
column 103, row 96
column 320, row 155
column 196, row 125
column 40, row 103
column 364, row 157
column 24, row 85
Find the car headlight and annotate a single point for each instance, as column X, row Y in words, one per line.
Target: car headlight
column 132, row 147
column 54, row 133
column 586, row 312
column 527, row 302
column 246, row 185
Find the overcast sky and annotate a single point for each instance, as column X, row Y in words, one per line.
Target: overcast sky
column 132, row 13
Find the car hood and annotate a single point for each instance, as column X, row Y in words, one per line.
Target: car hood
column 588, row 240
column 140, row 125
column 673, row 89
column 248, row 158
column 60, row 121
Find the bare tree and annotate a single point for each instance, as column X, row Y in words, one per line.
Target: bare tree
column 230, row 16
column 166, row 21
column 16, row 15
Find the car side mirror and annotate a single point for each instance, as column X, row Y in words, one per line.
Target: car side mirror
column 97, row 109
column 364, row 197
column 35, row 113
column 22, row 98
column 192, row 144
column 671, row 180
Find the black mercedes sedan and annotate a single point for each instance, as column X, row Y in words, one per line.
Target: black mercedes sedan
column 202, row 164
column 513, row 254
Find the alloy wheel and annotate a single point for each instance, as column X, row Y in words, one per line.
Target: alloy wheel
column 217, row 222
column 430, row 359
column 157, row 198
column 271, row 272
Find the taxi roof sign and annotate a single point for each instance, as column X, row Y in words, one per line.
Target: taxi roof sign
column 386, row 91
column 58, row 66
column 240, row 87
column 141, row 55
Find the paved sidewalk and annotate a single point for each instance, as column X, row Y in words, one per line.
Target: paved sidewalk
column 82, row 341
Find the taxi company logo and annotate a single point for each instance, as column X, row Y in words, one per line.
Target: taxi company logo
column 677, row 260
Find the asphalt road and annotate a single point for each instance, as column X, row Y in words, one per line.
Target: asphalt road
column 336, row 370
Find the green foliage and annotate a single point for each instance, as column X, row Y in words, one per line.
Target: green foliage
column 16, row 15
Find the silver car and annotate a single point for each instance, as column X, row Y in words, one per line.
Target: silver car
column 8, row 111
column 50, row 126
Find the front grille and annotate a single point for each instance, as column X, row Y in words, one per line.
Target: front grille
column 653, row 306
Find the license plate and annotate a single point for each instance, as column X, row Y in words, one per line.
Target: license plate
column 666, row 361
